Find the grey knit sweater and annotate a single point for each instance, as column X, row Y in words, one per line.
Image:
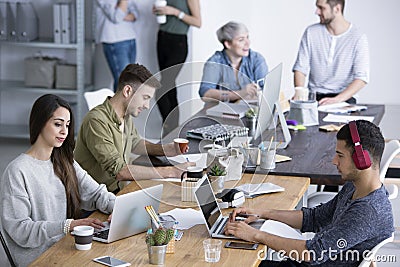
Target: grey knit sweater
column 33, row 205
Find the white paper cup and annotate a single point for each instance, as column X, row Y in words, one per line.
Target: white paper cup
column 161, row 19
column 83, row 237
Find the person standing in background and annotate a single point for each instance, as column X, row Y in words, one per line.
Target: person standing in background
column 114, row 30
column 334, row 54
column 172, row 49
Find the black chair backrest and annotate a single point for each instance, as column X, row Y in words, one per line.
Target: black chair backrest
column 10, row 259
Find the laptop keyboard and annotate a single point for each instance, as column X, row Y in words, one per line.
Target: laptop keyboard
column 102, row 234
column 221, row 230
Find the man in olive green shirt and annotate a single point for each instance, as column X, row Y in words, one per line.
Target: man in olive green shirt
column 108, row 136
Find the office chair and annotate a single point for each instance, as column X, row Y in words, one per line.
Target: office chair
column 392, row 148
column 97, row 97
column 369, row 259
column 7, row 251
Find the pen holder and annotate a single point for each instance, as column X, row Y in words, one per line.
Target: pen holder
column 166, row 222
column 187, row 190
column 305, row 112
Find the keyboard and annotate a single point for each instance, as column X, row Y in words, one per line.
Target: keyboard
column 221, row 230
column 218, row 131
column 102, row 234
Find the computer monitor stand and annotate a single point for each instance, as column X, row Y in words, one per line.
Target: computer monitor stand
column 280, row 144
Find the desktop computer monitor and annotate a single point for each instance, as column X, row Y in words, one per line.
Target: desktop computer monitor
column 269, row 106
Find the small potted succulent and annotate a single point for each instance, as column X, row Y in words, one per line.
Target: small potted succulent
column 157, row 244
column 216, row 175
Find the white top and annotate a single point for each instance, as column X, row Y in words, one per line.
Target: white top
column 110, row 24
column 33, row 205
column 333, row 61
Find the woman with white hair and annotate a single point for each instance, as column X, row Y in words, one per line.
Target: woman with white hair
column 232, row 74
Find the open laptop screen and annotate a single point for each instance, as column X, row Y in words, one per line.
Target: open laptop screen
column 208, row 203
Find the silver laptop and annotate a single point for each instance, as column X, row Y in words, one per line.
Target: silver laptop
column 212, row 215
column 129, row 216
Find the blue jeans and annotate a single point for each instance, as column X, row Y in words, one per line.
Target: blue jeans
column 119, row 55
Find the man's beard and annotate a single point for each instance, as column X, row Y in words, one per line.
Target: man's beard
column 326, row 21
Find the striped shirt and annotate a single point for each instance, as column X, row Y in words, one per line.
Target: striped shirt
column 332, row 61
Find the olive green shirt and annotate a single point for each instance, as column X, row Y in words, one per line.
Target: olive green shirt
column 101, row 148
column 175, row 25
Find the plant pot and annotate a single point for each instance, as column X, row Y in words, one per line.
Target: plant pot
column 251, row 123
column 157, row 254
column 217, row 183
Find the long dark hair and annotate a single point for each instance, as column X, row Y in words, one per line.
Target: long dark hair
column 61, row 157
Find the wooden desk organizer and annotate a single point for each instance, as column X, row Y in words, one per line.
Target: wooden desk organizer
column 187, row 187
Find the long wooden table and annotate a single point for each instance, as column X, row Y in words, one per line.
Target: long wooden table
column 188, row 251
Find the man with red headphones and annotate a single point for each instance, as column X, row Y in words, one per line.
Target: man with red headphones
column 357, row 219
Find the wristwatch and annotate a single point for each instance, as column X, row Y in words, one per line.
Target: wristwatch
column 181, row 15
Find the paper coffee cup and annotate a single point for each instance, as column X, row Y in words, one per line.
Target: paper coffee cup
column 83, row 237
column 161, row 19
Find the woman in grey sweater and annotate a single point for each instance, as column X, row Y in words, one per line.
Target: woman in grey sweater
column 43, row 190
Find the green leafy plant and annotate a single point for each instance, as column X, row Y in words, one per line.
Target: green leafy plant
column 160, row 237
column 251, row 112
column 217, row 170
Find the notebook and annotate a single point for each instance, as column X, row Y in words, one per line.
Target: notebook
column 129, row 216
column 228, row 110
column 212, row 215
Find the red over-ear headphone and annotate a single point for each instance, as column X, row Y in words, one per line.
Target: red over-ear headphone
column 360, row 156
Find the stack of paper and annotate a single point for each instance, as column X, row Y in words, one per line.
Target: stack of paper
column 281, row 229
column 346, row 118
column 228, row 110
column 342, row 108
column 186, row 218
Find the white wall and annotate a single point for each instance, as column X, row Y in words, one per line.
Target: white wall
column 276, row 27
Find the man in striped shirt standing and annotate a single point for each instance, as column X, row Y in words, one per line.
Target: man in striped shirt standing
column 334, row 55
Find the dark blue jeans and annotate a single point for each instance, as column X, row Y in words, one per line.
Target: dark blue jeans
column 119, row 55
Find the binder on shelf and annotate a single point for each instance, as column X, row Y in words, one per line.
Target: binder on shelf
column 27, row 24
column 11, row 21
column 68, row 34
column 57, row 23
column 3, row 21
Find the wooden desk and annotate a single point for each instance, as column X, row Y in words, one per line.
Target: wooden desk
column 311, row 150
column 189, row 251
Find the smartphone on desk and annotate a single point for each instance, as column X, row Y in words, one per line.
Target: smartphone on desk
column 110, row 261
column 241, row 245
